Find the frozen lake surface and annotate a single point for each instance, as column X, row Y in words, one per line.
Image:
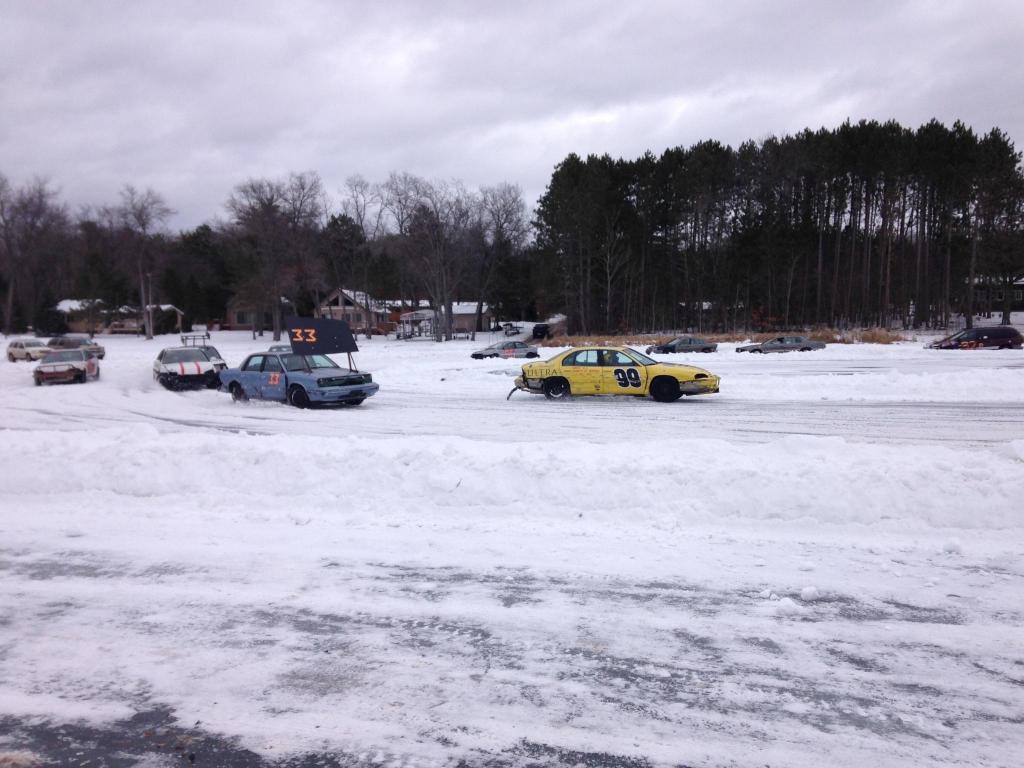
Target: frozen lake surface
column 822, row 564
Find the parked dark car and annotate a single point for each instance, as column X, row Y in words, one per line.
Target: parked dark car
column 783, row 344
column 77, row 342
column 683, row 344
column 995, row 337
column 542, row 331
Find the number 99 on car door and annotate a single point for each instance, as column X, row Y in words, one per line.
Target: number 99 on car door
column 620, row 374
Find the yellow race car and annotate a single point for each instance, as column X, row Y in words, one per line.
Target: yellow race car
column 613, row 371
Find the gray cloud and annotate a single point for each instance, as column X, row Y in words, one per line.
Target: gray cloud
column 191, row 98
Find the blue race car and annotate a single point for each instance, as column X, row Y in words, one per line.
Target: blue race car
column 301, row 380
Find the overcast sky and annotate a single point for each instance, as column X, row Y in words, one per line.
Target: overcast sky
column 192, row 98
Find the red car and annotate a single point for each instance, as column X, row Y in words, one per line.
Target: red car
column 67, row 366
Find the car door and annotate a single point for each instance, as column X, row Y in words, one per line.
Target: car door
column 272, row 382
column 621, row 375
column 583, row 371
column 249, row 375
column 775, row 345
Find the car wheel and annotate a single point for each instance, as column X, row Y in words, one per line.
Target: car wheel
column 39, row 382
column 556, row 389
column 707, row 349
column 805, row 349
column 97, row 374
column 10, row 358
column 665, row 389
column 82, row 377
column 237, row 393
column 297, row 396
column 357, row 401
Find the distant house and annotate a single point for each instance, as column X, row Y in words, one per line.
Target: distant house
column 241, row 315
column 358, row 309
column 988, row 294
column 82, row 315
column 464, row 316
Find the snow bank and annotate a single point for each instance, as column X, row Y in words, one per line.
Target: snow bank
column 663, row 483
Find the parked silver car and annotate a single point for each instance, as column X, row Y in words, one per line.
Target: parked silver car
column 26, row 349
column 783, row 344
column 683, row 344
column 506, row 349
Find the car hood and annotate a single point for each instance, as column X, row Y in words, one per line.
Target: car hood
column 186, row 369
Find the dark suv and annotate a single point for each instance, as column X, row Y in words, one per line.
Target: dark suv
column 77, row 342
column 541, row 331
column 994, row 337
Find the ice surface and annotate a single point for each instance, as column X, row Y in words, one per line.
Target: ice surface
column 820, row 564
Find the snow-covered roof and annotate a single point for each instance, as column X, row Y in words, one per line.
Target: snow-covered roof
column 467, row 308
column 165, row 308
column 76, row 305
column 356, row 297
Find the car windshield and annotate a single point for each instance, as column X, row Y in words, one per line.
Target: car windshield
column 642, row 359
column 211, row 351
column 184, row 356
column 307, row 362
column 69, row 356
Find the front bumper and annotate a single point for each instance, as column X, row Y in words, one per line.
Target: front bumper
column 58, row 377
column 708, row 386
column 346, row 394
column 175, row 381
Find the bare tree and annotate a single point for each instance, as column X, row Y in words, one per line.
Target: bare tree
column 276, row 221
column 143, row 214
column 440, row 231
column 505, row 232
column 33, row 227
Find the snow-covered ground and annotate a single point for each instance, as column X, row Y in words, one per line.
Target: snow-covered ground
column 823, row 563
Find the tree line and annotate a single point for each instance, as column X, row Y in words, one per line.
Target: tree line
column 867, row 224
column 283, row 242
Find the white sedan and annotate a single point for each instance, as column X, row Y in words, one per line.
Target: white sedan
column 186, row 368
column 26, row 349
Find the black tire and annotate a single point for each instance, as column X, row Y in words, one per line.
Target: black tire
column 665, row 389
column 708, row 349
column 39, row 382
column 533, row 354
column 556, row 388
column 297, row 396
column 357, row 401
column 82, row 378
column 237, row 393
column 805, row 349
column 11, row 358
column 97, row 373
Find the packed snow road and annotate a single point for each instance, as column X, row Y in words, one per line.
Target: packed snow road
column 821, row 564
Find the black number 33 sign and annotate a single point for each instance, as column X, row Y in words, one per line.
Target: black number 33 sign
column 627, row 377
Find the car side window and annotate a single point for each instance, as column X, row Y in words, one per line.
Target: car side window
column 272, row 364
column 583, row 357
column 253, row 363
column 612, row 357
